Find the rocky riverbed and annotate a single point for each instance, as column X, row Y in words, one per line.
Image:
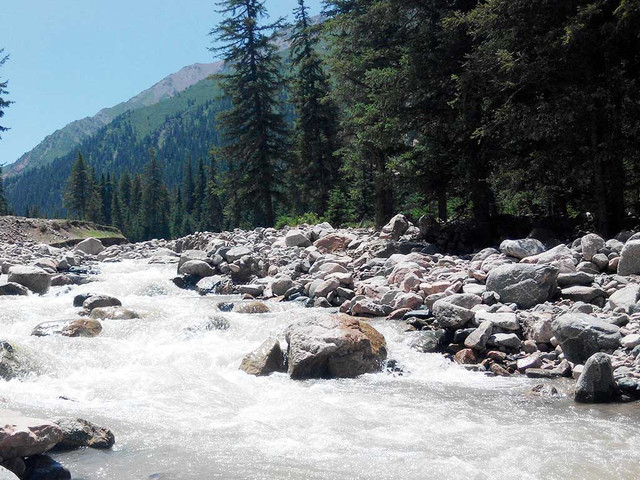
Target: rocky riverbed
column 163, row 341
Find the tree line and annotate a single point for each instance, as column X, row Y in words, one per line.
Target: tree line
column 455, row 109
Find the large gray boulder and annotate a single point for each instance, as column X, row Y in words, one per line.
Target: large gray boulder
column 455, row 311
column 625, row 297
column 237, row 253
column 581, row 335
column 336, row 346
column 525, row 285
column 190, row 255
column 396, row 227
column 630, row 258
column 296, row 238
column 266, row 359
column 525, row 247
column 34, row 278
column 596, row 383
column 90, row 246
column 77, row 433
column 21, row 436
column 100, row 301
column 13, row 289
column 196, row 268
column 591, row 244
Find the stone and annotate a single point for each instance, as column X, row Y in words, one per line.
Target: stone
column 295, row 238
column 601, row 261
column 629, row 263
column 465, row 357
column 281, row 284
column 596, row 383
column 196, row 268
column 209, row 285
column 82, row 327
column 630, row 341
column 43, row 467
column 190, row 255
column 237, row 253
column 503, row 320
column 322, row 288
column 541, row 373
column 13, row 289
column 625, row 298
column 35, row 279
column 571, row 279
column 506, row 340
column 396, row 227
column 266, row 359
column 591, row 245
column 113, row 313
column 100, row 301
column 560, row 253
column 369, row 307
column 581, row 335
column 90, row 246
column 583, row 294
column 523, row 284
column 333, row 242
column 22, row 436
column 336, row 346
column 477, row 340
column 252, row 289
column 78, row 300
column 450, row 315
column 522, row 248
column 427, row 341
column 251, row 308
column 407, row 300
column 588, row 267
column 82, row 433
column 11, row 365
column 6, row 474
column 532, row 361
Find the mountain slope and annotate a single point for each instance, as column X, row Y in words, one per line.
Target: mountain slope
column 63, row 141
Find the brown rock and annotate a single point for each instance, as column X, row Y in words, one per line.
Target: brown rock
column 266, row 359
column 466, row 357
column 251, row 308
column 333, row 242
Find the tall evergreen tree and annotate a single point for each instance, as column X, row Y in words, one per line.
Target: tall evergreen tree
column 254, row 129
column 188, row 186
column 212, row 218
column 4, row 206
column 4, row 103
column 155, row 202
column 79, row 190
column 200, row 196
column 315, row 169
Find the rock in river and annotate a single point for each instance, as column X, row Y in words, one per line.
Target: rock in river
column 22, row 436
column 581, row 335
column 336, row 346
column 596, row 384
column 266, row 359
column 34, row 278
column 82, row 433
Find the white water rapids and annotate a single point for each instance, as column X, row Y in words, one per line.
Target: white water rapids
column 181, row 409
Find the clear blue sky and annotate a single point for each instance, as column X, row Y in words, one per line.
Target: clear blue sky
column 71, row 58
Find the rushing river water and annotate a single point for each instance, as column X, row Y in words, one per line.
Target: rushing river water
column 181, row 409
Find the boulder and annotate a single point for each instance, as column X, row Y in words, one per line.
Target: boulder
column 583, row 294
column 190, row 255
column 427, row 341
column 23, row 437
column 333, row 242
column 596, row 383
column 523, row 284
column 251, row 308
column 396, row 227
column 13, row 289
column 503, row 320
column 43, row 467
column 322, row 288
column 237, row 253
column 505, row 340
column 455, row 311
column 625, row 298
column 113, row 313
column 522, row 248
column 77, row 433
column 560, row 253
column 83, row 327
column 10, row 365
column 281, row 284
column 100, row 301
column 477, row 340
column 295, row 238
column 196, row 268
column 336, row 346
column 266, row 359
column 366, row 306
column 209, row 285
column 630, row 258
column 630, row 341
column 34, row 278
column 90, row 246
column 581, row 335
column 571, row 279
column 591, row 245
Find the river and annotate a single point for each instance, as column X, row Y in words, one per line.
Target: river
column 181, row 409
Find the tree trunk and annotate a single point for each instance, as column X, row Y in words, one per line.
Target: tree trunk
column 442, row 203
column 383, row 192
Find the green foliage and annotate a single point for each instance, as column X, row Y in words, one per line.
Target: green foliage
column 4, row 206
column 309, row 218
column 4, row 103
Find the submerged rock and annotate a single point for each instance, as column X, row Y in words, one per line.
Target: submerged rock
column 596, row 383
column 266, row 359
column 251, row 308
column 113, row 313
column 337, row 346
column 70, row 328
column 100, row 301
column 77, row 433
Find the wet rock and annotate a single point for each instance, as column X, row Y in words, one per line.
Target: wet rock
column 266, row 359
column 630, row 258
column 522, row 248
column 581, row 335
column 22, row 436
column 427, row 341
column 35, row 279
column 90, row 246
column 209, row 285
column 11, row 365
column 196, row 268
column 596, row 384
column 523, row 284
column 295, row 238
column 532, row 361
column 13, row 289
column 43, row 467
column 225, row 306
column 72, row 328
column 113, row 313
column 78, row 300
column 477, row 340
column 465, row 357
column 338, row 346
column 100, row 301
column 544, row 390
column 77, row 433
column 251, row 308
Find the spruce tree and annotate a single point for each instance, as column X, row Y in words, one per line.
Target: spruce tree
column 155, row 202
column 4, row 205
column 212, row 218
column 254, row 129
column 188, row 187
column 4, row 103
column 315, row 167
column 79, row 191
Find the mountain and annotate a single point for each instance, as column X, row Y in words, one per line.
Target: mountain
column 68, row 138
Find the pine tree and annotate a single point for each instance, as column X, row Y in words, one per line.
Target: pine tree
column 94, row 212
column 117, row 215
column 4, row 206
column 315, row 168
column 188, row 187
column 79, row 190
column 177, row 215
column 155, row 202
column 212, row 218
column 254, row 129
column 4, row 103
